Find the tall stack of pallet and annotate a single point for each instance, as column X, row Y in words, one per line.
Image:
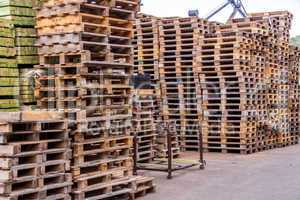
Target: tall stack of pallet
column 146, row 54
column 246, row 82
column 21, row 16
column 179, row 82
column 294, row 95
column 244, row 73
column 143, row 124
column 146, row 43
column 233, row 97
column 162, row 149
column 86, row 53
column 34, row 156
column 279, row 24
column 278, row 65
column 26, row 58
column 9, row 73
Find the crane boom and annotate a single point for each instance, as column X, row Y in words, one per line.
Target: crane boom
column 217, row 10
column 237, row 5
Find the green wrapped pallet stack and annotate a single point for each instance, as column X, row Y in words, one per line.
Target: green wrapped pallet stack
column 19, row 12
column 26, row 86
column 9, row 73
column 25, row 41
column 18, row 45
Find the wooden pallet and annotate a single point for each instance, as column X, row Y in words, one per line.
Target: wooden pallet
column 143, row 186
column 35, row 155
column 143, row 124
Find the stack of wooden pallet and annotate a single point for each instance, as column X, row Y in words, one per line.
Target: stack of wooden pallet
column 232, row 92
column 19, row 12
column 86, row 54
column 34, row 156
column 244, row 73
column 179, row 82
column 143, row 186
column 144, row 125
column 279, row 67
column 278, row 23
column 163, row 129
column 146, row 44
column 278, row 63
column 85, row 51
column 21, row 17
column 294, row 95
column 146, row 54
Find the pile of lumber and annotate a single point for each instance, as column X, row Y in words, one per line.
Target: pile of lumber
column 18, row 55
column 34, row 156
column 9, row 73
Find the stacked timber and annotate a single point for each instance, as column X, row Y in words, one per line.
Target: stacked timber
column 143, row 124
column 25, row 37
column 19, row 12
column 27, row 86
column 179, row 81
column 245, row 73
column 146, row 54
column 21, row 16
column 9, row 73
column 86, row 57
column 35, row 156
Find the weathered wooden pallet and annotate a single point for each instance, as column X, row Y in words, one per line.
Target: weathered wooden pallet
column 86, row 168
column 7, row 42
column 16, row 11
column 9, row 72
column 7, row 52
column 18, row 3
column 6, row 32
column 20, row 20
column 115, row 188
column 143, row 186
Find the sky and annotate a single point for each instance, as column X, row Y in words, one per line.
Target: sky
column 164, row 8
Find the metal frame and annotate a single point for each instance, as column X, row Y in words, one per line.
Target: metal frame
column 237, row 5
column 170, row 165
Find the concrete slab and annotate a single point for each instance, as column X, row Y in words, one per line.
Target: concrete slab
column 269, row 175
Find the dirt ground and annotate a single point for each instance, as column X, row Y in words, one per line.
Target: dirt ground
column 269, row 175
